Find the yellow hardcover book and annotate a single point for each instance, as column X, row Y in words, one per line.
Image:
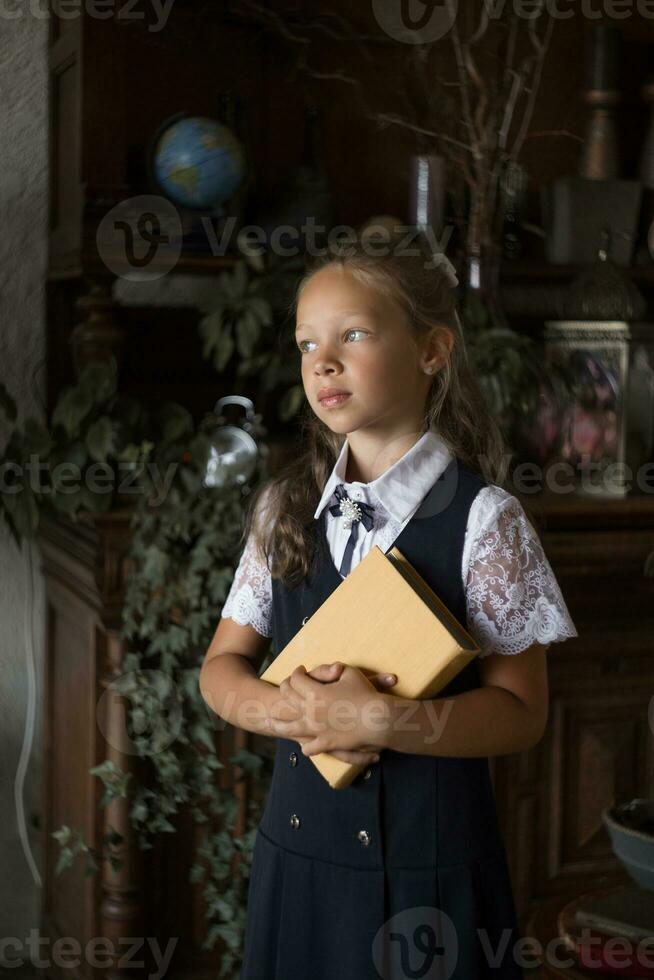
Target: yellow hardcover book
column 382, row 618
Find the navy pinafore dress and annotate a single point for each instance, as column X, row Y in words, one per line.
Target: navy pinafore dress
column 404, row 872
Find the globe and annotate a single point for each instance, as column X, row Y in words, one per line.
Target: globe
column 198, row 162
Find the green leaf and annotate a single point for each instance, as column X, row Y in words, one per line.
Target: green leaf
column 240, row 279
column 63, row 835
column 254, row 259
column 24, row 512
column 177, row 422
column 140, row 812
column 196, row 874
column 210, row 328
column 75, row 453
column 72, row 408
column 247, row 333
column 201, row 733
column 291, row 402
column 112, row 776
column 227, row 288
column 249, row 761
column 64, row 860
column 37, row 438
column 99, row 379
column 101, row 439
column 262, row 309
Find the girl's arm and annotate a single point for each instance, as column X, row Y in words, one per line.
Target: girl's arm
column 229, row 682
column 230, row 685
column 508, row 713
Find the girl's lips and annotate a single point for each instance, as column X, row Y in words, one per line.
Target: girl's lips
column 334, row 400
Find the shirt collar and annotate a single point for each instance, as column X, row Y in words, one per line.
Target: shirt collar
column 402, row 487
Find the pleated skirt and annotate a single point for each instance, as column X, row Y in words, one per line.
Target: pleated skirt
column 310, row 919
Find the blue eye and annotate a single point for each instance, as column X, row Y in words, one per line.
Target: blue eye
column 351, row 330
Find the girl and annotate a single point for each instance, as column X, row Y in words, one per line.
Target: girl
column 404, row 872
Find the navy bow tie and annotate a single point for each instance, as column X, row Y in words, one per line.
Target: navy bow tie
column 352, row 512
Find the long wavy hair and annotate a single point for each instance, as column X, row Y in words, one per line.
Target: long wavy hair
column 280, row 511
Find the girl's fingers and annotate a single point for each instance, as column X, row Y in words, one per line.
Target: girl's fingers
column 326, row 672
column 287, row 729
column 332, row 671
column 383, row 681
column 285, row 710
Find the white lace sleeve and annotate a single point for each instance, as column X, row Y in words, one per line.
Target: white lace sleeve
column 512, row 596
column 249, row 600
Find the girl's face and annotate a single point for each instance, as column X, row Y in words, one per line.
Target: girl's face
column 355, row 339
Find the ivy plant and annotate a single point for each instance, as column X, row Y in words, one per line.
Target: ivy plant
column 182, row 557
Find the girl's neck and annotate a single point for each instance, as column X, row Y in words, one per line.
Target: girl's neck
column 367, row 462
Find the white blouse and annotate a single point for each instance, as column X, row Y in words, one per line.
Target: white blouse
column 512, row 597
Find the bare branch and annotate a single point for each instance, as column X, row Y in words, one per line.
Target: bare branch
column 482, row 28
column 510, row 50
column 503, row 133
column 392, row 119
column 432, row 90
column 339, row 76
column 541, row 48
column 468, row 120
column 473, row 70
column 488, row 86
column 273, row 19
column 347, row 36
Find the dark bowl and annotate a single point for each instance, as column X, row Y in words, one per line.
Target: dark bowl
column 631, row 829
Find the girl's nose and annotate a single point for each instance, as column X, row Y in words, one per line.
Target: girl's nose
column 325, row 363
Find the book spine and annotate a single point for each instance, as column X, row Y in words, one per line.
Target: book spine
column 451, row 669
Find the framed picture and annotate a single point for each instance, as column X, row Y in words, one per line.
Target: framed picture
column 592, row 426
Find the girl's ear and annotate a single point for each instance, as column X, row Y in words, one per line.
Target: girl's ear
column 438, row 348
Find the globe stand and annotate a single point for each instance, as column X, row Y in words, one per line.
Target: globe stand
column 202, row 231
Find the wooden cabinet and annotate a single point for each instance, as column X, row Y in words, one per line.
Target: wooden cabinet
column 150, row 896
column 599, row 747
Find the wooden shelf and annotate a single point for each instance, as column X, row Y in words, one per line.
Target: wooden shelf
column 568, row 511
column 538, row 270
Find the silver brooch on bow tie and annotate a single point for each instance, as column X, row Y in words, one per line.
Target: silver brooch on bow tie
column 350, row 511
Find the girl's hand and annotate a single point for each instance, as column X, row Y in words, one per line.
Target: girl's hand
column 303, row 711
column 365, row 754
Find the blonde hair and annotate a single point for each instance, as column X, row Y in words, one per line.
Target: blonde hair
column 455, row 407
